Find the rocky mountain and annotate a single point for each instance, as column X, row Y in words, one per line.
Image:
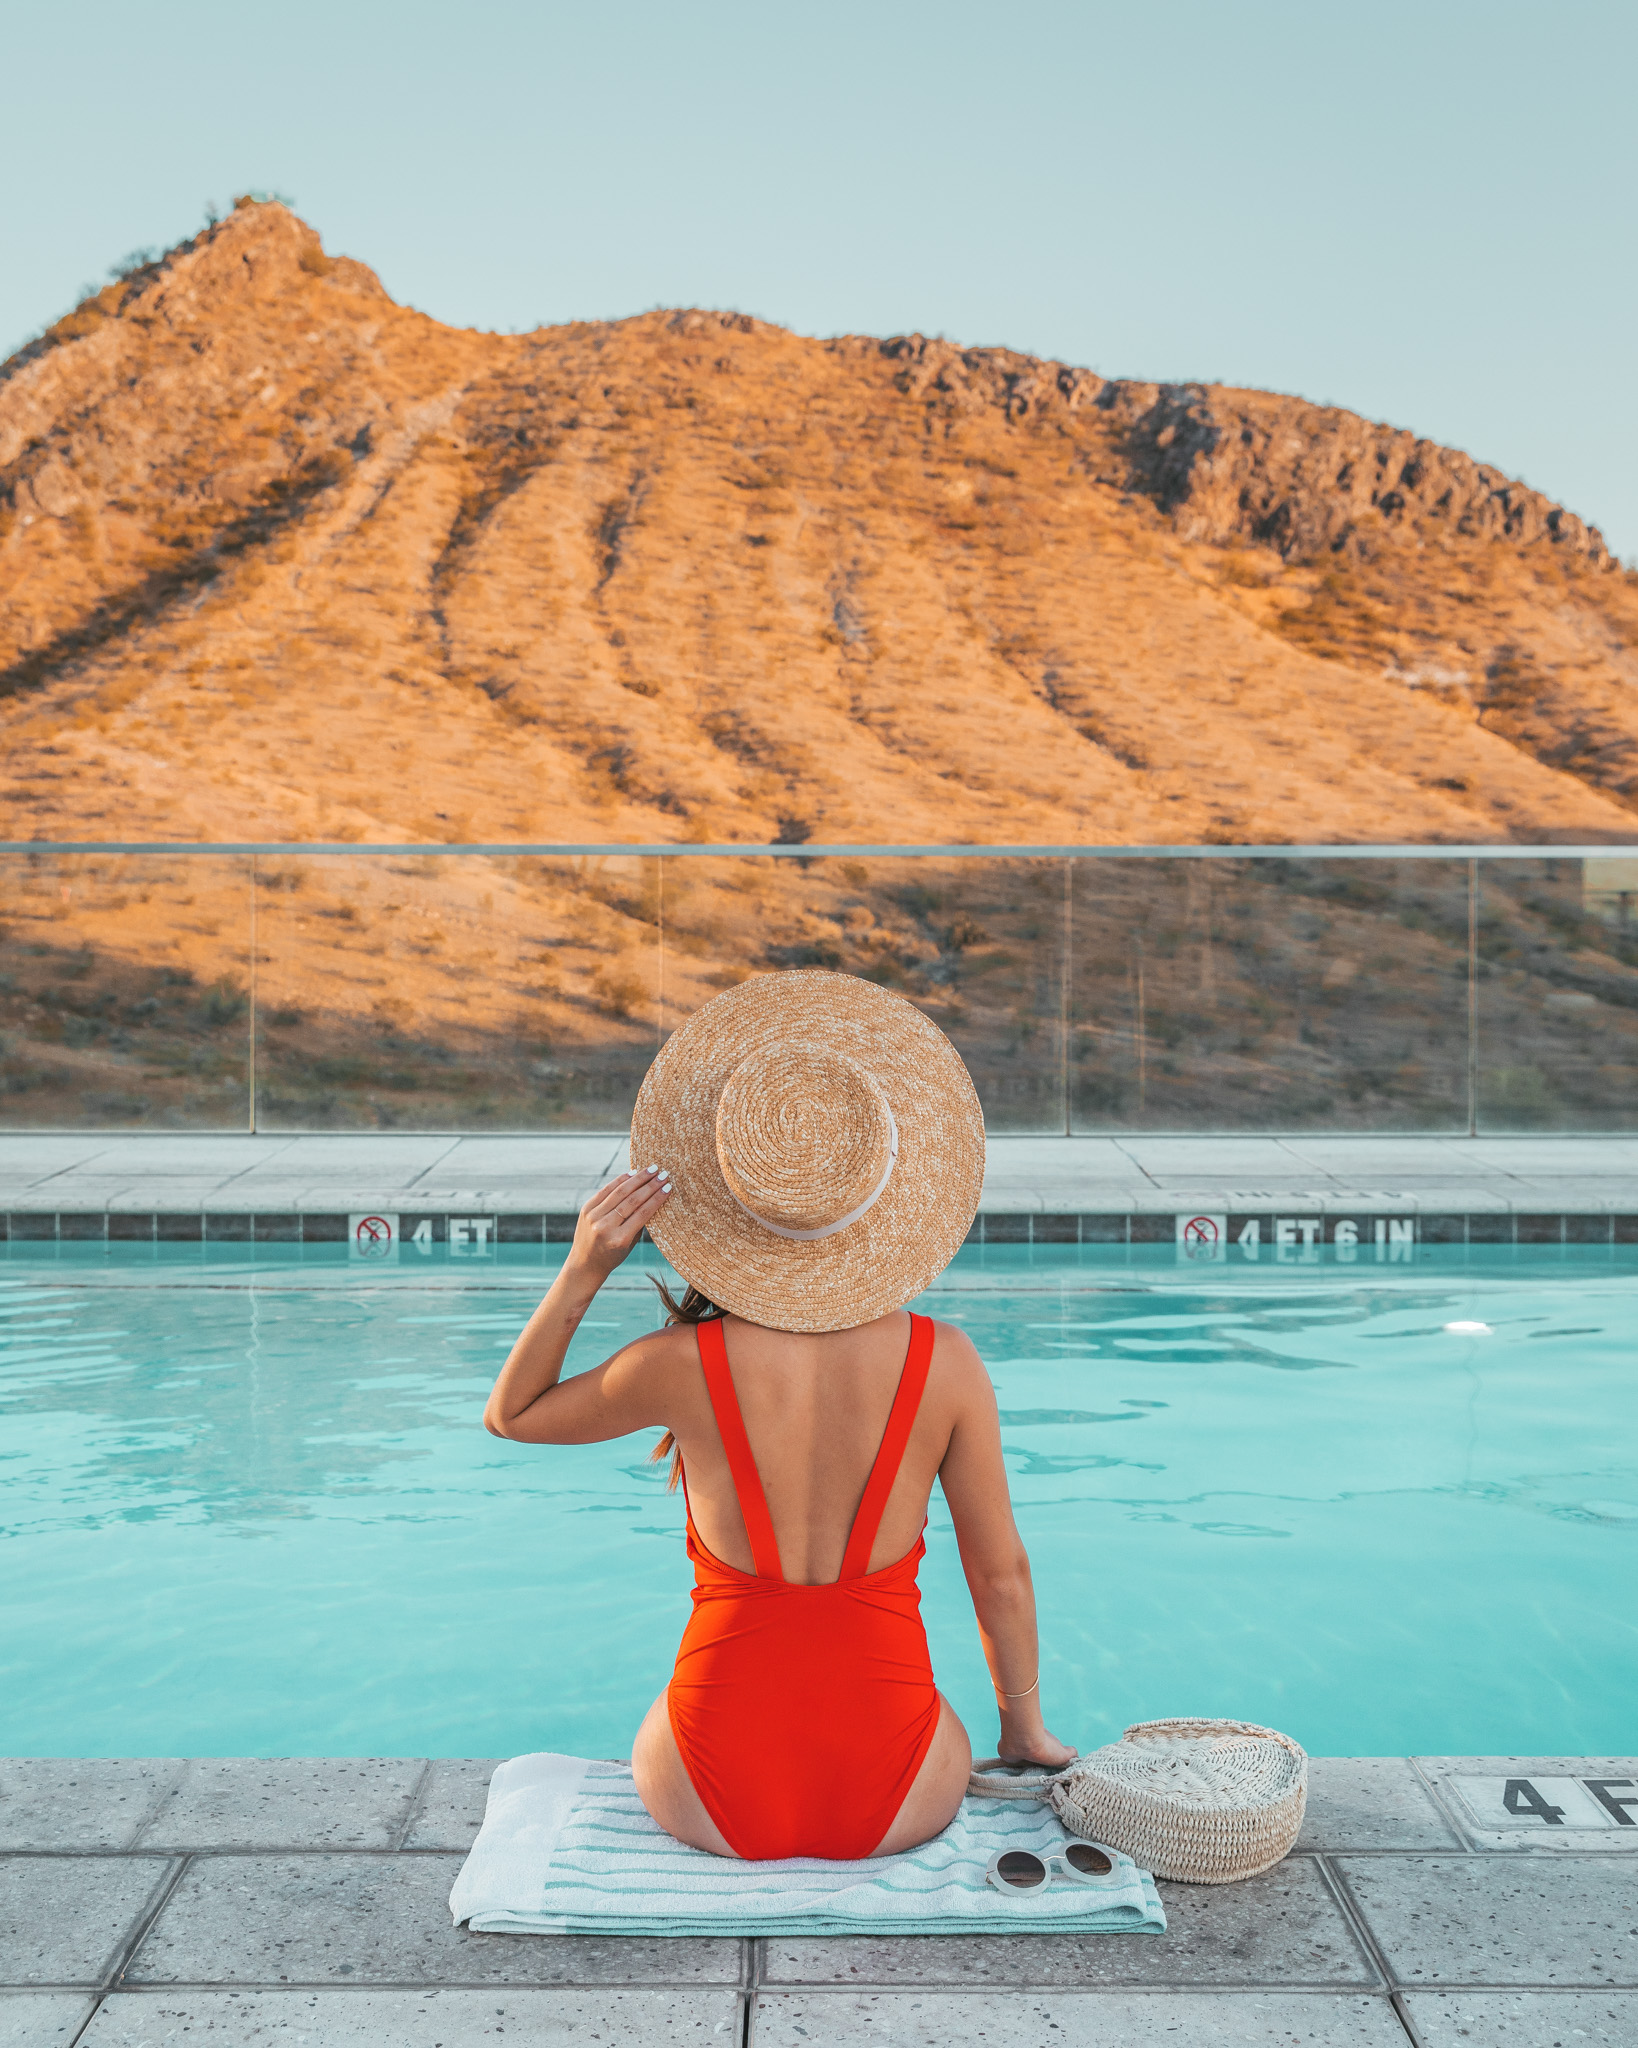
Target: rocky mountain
column 283, row 559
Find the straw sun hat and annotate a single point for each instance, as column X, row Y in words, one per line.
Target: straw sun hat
column 825, row 1145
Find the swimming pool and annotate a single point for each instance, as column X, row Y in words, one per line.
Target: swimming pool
column 252, row 1510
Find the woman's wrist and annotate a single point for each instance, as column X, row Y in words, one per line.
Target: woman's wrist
column 1021, row 1718
column 578, row 1279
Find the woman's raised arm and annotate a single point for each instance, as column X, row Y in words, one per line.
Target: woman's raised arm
column 974, row 1478
column 526, row 1402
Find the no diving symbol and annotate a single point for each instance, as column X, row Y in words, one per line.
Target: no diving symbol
column 1202, row 1237
column 373, row 1237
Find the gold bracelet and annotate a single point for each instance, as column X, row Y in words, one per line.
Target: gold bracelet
column 1024, row 1695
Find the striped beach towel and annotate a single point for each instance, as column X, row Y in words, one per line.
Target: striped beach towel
column 567, row 1848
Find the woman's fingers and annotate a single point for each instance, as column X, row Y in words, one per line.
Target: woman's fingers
column 617, row 1213
column 618, row 1194
column 606, row 1198
column 641, row 1188
column 643, row 1203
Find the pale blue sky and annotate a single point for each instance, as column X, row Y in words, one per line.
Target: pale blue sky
column 1423, row 212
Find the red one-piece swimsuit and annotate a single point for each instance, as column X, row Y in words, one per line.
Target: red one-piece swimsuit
column 803, row 1713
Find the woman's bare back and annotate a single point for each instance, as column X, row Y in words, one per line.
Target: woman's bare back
column 815, row 1408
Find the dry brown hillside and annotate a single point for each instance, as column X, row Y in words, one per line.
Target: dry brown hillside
column 282, row 559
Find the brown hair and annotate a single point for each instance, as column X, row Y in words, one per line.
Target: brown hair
column 693, row 1308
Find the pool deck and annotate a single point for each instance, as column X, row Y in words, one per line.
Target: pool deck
column 238, row 1901
column 142, row 1172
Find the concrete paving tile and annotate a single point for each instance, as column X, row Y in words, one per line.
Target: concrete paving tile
column 1501, row 1919
column 1024, row 1172
column 1371, row 1802
column 1371, row 1155
column 569, row 1153
column 62, row 1919
column 31, row 2019
column 242, row 1802
column 1104, row 1156
column 86, row 1195
column 1620, row 1841
column 1437, row 1767
column 216, row 1156
column 37, row 1155
column 413, row 2019
column 80, row 1802
column 1190, row 1158
column 380, row 1919
column 449, row 1812
column 1550, row 1154
column 1525, row 2019
column 1026, row 2019
column 1281, row 1928
column 363, row 1155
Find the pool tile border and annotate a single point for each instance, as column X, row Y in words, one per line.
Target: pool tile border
column 1101, row 1227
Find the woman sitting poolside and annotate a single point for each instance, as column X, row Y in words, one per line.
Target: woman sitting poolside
column 819, row 1155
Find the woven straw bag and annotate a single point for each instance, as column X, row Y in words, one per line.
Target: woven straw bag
column 1209, row 1802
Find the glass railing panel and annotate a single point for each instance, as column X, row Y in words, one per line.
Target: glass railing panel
column 454, row 991
column 1269, row 994
column 1557, row 994
column 976, row 943
column 124, row 991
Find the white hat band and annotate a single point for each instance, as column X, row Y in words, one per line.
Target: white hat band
column 853, row 1215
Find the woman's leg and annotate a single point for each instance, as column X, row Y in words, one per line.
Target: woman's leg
column 935, row 1798
column 665, row 1788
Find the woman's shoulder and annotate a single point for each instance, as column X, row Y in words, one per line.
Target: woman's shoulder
column 960, row 1373
column 950, row 1340
column 659, row 1353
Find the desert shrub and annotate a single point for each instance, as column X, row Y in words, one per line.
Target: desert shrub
column 224, row 1002
column 618, row 990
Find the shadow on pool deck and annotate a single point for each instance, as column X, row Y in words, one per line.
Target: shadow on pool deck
column 235, row 1899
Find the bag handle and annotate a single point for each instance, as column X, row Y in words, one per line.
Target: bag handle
column 1024, row 1781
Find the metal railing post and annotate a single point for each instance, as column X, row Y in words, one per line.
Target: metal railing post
column 252, row 1006
column 1065, row 974
column 1473, row 999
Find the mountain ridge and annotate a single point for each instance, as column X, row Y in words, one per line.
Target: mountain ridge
column 284, row 559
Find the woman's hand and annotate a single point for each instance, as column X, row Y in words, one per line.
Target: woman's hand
column 614, row 1219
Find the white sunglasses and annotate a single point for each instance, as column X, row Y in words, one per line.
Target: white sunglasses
column 1021, row 1870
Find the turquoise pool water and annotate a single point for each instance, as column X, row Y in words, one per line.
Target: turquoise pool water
column 253, row 1510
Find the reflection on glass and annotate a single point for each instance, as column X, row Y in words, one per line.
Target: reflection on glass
column 124, row 991
column 296, row 991
column 977, row 944
column 454, row 992
column 1240, row 994
column 1557, row 986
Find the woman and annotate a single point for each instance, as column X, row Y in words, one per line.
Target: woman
column 818, row 1156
